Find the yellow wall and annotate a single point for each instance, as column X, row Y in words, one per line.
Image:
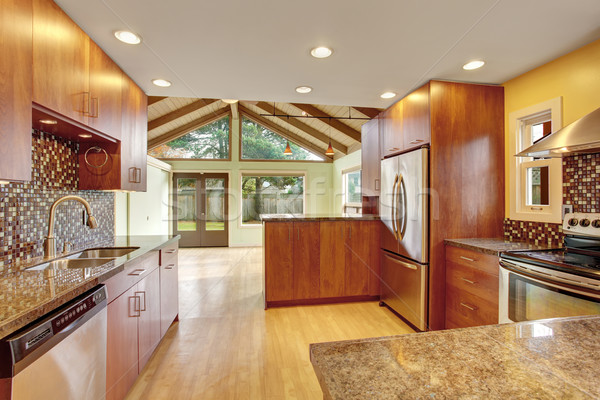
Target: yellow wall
column 574, row 76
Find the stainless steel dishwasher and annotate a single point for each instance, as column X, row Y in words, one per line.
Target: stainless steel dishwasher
column 61, row 355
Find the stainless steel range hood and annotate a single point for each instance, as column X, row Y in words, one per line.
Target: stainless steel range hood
column 579, row 137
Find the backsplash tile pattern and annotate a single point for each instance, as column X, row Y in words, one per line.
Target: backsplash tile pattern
column 581, row 188
column 581, row 182
column 24, row 207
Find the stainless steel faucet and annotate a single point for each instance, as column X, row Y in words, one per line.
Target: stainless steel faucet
column 50, row 240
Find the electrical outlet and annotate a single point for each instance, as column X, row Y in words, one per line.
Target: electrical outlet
column 566, row 209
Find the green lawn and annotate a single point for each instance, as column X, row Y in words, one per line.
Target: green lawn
column 191, row 226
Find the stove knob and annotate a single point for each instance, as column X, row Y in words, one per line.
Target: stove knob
column 596, row 223
column 573, row 222
column 584, row 222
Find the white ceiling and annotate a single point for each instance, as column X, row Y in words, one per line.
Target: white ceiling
column 259, row 49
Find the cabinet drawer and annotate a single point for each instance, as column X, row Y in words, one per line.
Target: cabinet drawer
column 168, row 254
column 472, row 280
column 484, row 262
column 464, row 309
column 134, row 271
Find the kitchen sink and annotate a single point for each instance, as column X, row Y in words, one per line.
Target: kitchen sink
column 104, row 252
column 72, row 263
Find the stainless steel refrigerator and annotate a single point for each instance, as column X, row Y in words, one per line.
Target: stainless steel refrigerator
column 404, row 205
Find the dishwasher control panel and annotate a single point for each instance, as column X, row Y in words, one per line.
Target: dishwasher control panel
column 74, row 312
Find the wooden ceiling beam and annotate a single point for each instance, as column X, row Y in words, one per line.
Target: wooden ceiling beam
column 235, row 115
column 334, row 123
column 368, row 111
column 155, row 99
column 180, row 112
column 309, row 130
column 187, row 128
column 292, row 137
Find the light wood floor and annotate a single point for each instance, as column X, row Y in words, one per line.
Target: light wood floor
column 226, row 346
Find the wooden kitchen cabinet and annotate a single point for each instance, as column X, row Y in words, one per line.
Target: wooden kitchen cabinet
column 415, row 118
column 370, row 164
column 358, row 258
column 169, row 287
column 16, row 56
column 391, row 137
column 472, row 288
column 149, row 320
column 332, row 256
column 278, row 253
column 306, row 260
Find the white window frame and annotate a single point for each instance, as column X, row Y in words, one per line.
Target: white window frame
column 345, row 188
column 520, row 138
column 243, row 173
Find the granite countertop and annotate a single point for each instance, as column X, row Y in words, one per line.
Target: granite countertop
column 26, row 295
column 315, row 217
column 546, row 359
column 493, row 246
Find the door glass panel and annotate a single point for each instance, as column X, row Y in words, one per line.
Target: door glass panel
column 215, row 204
column 186, row 204
column 538, row 186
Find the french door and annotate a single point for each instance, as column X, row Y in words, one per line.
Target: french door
column 200, row 212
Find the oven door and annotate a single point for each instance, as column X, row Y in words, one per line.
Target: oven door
column 531, row 294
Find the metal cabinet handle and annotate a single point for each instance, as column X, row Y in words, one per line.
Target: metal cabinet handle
column 468, row 307
column 468, row 281
column 135, row 175
column 136, row 306
column 170, row 251
column 170, row 266
column 467, row 258
column 94, row 113
column 416, row 141
column 377, row 184
column 144, row 294
column 393, row 149
column 137, row 272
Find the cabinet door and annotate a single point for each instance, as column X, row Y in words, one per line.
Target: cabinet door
column 105, row 93
column 169, row 289
column 371, row 166
column 358, row 258
column 60, row 62
column 279, row 274
column 15, row 90
column 332, row 259
column 375, row 257
column 391, row 132
column 122, row 345
column 149, row 321
column 134, row 138
column 415, row 120
column 306, row 260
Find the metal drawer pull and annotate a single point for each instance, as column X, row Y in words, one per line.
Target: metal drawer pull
column 170, row 266
column 468, row 281
column 467, row 258
column 170, row 251
column 137, row 272
column 468, row 307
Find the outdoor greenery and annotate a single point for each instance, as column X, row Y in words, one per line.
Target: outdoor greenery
column 282, row 188
column 260, row 143
column 209, row 142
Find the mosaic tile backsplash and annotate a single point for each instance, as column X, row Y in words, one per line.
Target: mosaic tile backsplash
column 24, row 207
column 581, row 188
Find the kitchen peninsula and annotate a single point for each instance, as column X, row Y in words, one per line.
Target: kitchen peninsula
column 546, row 359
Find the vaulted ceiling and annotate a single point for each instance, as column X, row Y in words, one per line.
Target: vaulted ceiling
column 308, row 125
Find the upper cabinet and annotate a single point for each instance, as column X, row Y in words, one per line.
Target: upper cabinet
column 134, row 143
column 371, row 166
column 72, row 76
column 391, row 130
column 15, row 89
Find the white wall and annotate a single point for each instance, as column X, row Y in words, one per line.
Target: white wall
column 340, row 165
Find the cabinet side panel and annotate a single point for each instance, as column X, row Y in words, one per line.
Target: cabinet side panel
column 332, row 262
column 278, row 261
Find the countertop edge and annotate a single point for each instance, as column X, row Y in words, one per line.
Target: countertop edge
column 492, row 246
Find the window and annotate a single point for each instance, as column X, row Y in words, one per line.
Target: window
column 211, row 142
column 271, row 195
column 260, row 143
column 352, row 192
column 535, row 183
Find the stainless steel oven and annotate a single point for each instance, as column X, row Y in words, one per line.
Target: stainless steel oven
column 552, row 283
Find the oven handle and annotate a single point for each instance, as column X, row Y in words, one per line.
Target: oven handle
column 551, row 280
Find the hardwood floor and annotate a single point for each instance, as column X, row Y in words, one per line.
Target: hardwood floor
column 226, row 346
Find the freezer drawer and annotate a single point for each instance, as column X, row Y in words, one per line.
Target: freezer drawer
column 404, row 288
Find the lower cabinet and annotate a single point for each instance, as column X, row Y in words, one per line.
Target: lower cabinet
column 142, row 305
column 472, row 286
column 320, row 262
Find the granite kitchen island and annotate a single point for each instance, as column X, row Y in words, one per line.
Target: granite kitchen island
column 546, row 359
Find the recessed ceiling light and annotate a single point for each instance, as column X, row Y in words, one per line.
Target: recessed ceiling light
column 388, row 95
column 303, row 89
column 161, row 82
column 229, row 101
column 85, row 135
column 49, row 121
column 128, row 37
column 473, row 65
column 321, row 52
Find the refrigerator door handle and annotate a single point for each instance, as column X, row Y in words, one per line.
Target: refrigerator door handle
column 401, row 223
column 402, row 263
column 395, row 208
